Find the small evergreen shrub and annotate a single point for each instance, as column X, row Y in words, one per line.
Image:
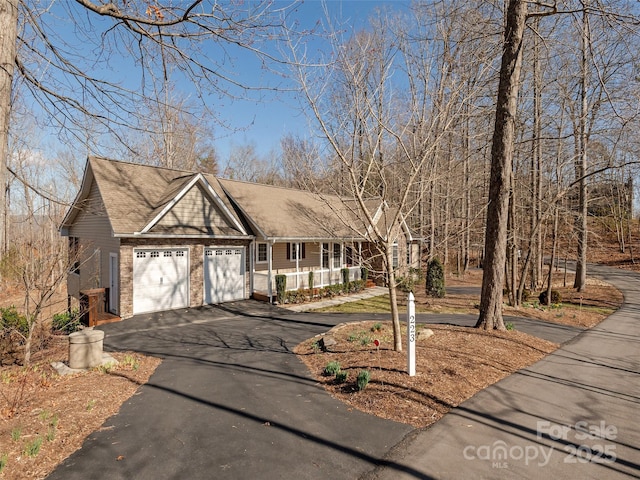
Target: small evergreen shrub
column 311, row 283
column 281, row 287
column 332, row 368
column 341, row 376
column 10, row 319
column 405, row 284
column 66, row 322
column 345, row 279
column 363, row 379
column 435, row 279
column 358, row 285
column 364, row 274
column 555, row 297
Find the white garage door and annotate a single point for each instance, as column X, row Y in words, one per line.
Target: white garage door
column 223, row 274
column 160, row 280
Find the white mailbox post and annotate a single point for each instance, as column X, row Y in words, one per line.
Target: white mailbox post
column 411, row 335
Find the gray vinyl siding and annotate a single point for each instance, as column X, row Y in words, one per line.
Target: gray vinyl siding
column 280, row 261
column 96, row 242
column 195, row 211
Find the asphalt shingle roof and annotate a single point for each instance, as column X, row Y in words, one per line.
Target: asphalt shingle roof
column 135, row 194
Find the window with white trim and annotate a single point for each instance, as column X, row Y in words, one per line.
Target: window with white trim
column 325, row 255
column 395, row 255
column 337, row 255
column 293, row 249
column 261, row 253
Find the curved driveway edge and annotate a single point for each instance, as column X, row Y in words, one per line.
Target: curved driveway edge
column 230, row 400
column 573, row 414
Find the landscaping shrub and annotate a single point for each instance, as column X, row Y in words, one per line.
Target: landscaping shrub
column 332, row 368
column 555, row 297
column 357, row 285
column 405, row 284
column 435, row 279
column 345, row 279
column 311, row 283
column 341, row 376
column 295, row 296
column 363, row 379
column 66, row 322
column 364, row 274
column 281, row 287
column 10, row 319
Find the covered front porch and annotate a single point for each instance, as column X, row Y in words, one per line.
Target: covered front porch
column 296, row 260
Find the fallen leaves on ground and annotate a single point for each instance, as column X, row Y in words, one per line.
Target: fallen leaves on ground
column 451, row 366
column 45, row 417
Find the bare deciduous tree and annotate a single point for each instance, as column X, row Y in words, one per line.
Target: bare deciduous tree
column 381, row 136
column 195, row 40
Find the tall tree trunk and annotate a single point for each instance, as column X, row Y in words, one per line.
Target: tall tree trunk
column 8, row 35
column 467, row 194
column 393, row 299
column 501, row 169
column 535, row 244
column 554, row 249
column 580, row 282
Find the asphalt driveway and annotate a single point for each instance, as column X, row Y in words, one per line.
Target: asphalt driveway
column 230, row 400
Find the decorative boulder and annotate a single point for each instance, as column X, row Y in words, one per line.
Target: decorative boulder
column 424, row 334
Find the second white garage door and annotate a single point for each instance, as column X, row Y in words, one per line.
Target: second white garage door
column 160, row 280
column 223, row 274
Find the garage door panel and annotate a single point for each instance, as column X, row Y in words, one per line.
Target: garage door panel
column 161, row 280
column 223, row 274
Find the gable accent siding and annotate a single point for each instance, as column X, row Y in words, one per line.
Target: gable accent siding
column 196, row 214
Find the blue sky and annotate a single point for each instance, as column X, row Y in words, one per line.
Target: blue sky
column 267, row 122
column 262, row 123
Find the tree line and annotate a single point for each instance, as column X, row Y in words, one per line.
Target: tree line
column 494, row 129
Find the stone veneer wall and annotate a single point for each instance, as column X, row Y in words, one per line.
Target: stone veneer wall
column 196, row 275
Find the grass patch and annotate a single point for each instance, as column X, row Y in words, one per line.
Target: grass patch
column 380, row 304
column 368, row 305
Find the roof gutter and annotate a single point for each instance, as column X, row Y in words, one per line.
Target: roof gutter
column 160, row 235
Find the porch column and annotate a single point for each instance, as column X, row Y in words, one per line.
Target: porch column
column 297, row 244
column 270, row 268
column 321, row 265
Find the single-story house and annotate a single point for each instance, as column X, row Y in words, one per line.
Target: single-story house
column 158, row 239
